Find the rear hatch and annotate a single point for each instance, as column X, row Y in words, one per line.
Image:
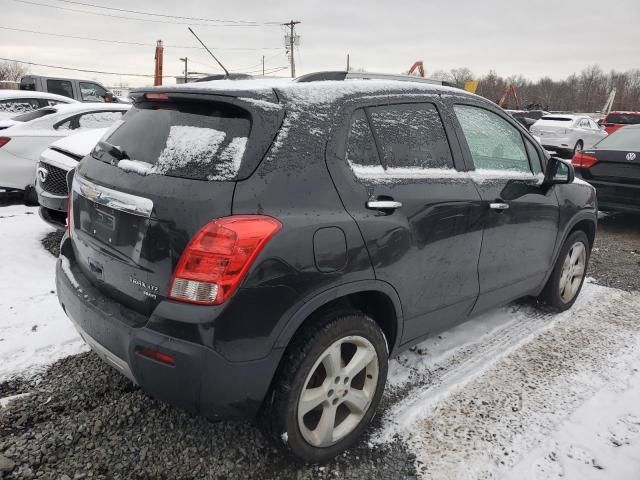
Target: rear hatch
column 162, row 173
column 552, row 127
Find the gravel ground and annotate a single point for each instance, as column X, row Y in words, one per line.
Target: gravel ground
column 615, row 261
column 82, row 419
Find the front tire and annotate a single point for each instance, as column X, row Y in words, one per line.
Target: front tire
column 329, row 386
column 565, row 282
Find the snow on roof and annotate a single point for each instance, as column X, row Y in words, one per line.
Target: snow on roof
column 80, row 144
column 16, row 94
column 320, row 92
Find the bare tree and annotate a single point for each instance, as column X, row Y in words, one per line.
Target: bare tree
column 586, row 91
column 12, row 71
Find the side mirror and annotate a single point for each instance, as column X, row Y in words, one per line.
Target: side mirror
column 110, row 98
column 559, row 172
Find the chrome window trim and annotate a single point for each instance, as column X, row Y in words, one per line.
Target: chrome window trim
column 124, row 202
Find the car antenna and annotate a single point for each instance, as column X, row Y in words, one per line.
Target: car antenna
column 210, row 53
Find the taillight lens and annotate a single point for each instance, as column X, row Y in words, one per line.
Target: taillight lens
column 216, row 260
column 4, row 141
column 583, row 160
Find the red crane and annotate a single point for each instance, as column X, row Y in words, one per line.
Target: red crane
column 510, row 90
column 417, row 66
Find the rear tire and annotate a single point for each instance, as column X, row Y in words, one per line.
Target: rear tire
column 564, row 284
column 328, row 387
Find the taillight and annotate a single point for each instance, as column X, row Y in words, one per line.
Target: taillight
column 218, row 257
column 4, row 141
column 583, row 160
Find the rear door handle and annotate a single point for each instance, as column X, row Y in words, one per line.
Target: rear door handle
column 383, row 204
column 499, row 206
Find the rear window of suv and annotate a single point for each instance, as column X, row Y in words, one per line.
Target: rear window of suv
column 195, row 140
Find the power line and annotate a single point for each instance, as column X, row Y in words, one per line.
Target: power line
column 159, row 14
column 100, row 14
column 122, row 42
column 273, row 70
column 81, row 69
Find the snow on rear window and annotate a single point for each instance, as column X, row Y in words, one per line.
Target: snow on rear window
column 187, row 144
column 230, row 159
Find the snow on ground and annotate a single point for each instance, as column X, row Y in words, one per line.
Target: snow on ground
column 522, row 394
column 516, row 394
column 34, row 331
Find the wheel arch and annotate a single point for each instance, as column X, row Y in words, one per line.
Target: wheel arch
column 375, row 298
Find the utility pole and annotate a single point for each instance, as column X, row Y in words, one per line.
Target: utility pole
column 347, row 62
column 186, row 64
column 292, row 25
column 157, row 74
column 263, row 65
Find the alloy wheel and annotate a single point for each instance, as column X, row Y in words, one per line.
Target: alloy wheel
column 573, row 271
column 338, row 391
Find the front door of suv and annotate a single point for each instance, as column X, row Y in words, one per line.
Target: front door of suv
column 395, row 170
column 520, row 215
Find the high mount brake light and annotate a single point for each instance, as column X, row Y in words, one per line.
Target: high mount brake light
column 583, row 160
column 218, row 257
column 156, row 96
column 4, row 141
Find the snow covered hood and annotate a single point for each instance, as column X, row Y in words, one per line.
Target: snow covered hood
column 80, row 144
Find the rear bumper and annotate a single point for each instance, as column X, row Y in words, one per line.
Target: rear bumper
column 201, row 381
column 616, row 196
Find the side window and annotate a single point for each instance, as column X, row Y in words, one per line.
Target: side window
column 21, row 105
column 593, row 125
column 361, row 150
column 90, row 120
column 584, row 123
column 411, row 136
column 60, row 87
column 98, row 119
column 92, row 92
column 494, row 143
column 534, row 157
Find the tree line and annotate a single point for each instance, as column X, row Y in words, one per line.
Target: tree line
column 586, row 91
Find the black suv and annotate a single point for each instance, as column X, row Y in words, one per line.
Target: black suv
column 241, row 248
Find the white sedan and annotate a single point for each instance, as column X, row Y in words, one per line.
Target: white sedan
column 16, row 102
column 21, row 145
column 566, row 134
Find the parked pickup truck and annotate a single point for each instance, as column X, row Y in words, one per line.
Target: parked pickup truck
column 81, row 90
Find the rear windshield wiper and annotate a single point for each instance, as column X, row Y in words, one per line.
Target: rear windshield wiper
column 113, row 150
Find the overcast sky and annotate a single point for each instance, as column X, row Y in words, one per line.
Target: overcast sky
column 530, row 37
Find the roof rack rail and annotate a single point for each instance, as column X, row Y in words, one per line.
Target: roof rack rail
column 344, row 75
